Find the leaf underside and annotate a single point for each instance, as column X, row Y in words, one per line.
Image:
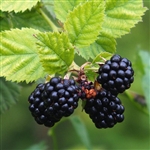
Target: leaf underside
column 30, row 19
column 19, row 57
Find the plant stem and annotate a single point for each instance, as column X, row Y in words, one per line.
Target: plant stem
column 51, row 132
column 52, row 25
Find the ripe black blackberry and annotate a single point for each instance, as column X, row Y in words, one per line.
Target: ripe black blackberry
column 51, row 101
column 105, row 109
column 116, row 75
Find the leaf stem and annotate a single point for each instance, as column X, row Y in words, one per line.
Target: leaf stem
column 52, row 25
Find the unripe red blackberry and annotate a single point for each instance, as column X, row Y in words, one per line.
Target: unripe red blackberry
column 53, row 100
column 105, row 109
column 87, row 90
column 116, row 75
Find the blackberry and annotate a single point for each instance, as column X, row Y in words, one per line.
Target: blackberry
column 105, row 109
column 116, row 75
column 51, row 101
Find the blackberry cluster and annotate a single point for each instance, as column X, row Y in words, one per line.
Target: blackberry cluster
column 116, row 75
column 51, row 101
column 58, row 98
column 105, row 109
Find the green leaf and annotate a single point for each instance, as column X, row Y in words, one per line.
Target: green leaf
column 146, row 88
column 4, row 24
column 90, row 51
column 49, row 5
column 81, row 131
column 137, row 101
column 104, row 43
column 2, row 14
column 16, row 5
column 146, row 77
column 83, row 24
column 9, row 94
column 39, row 146
column 62, row 8
column 31, row 19
column 19, row 57
column 138, row 65
column 91, row 69
column 121, row 16
column 55, row 51
column 102, row 57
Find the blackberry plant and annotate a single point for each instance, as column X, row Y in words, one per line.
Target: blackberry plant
column 45, row 39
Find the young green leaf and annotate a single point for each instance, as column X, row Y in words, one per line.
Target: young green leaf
column 91, row 69
column 121, row 16
column 104, row 43
column 9, row 94
column 55, row 51
column 19, row 57
column 81, row 131
column 83, row 24
column 102, row 57
column 62, row 8
column 16, row 5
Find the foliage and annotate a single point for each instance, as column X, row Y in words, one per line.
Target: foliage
column 17, row 6
column 77, row 31
column 38, row 146
column 8, row 95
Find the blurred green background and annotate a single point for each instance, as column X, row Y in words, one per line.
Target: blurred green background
column 19, row 131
